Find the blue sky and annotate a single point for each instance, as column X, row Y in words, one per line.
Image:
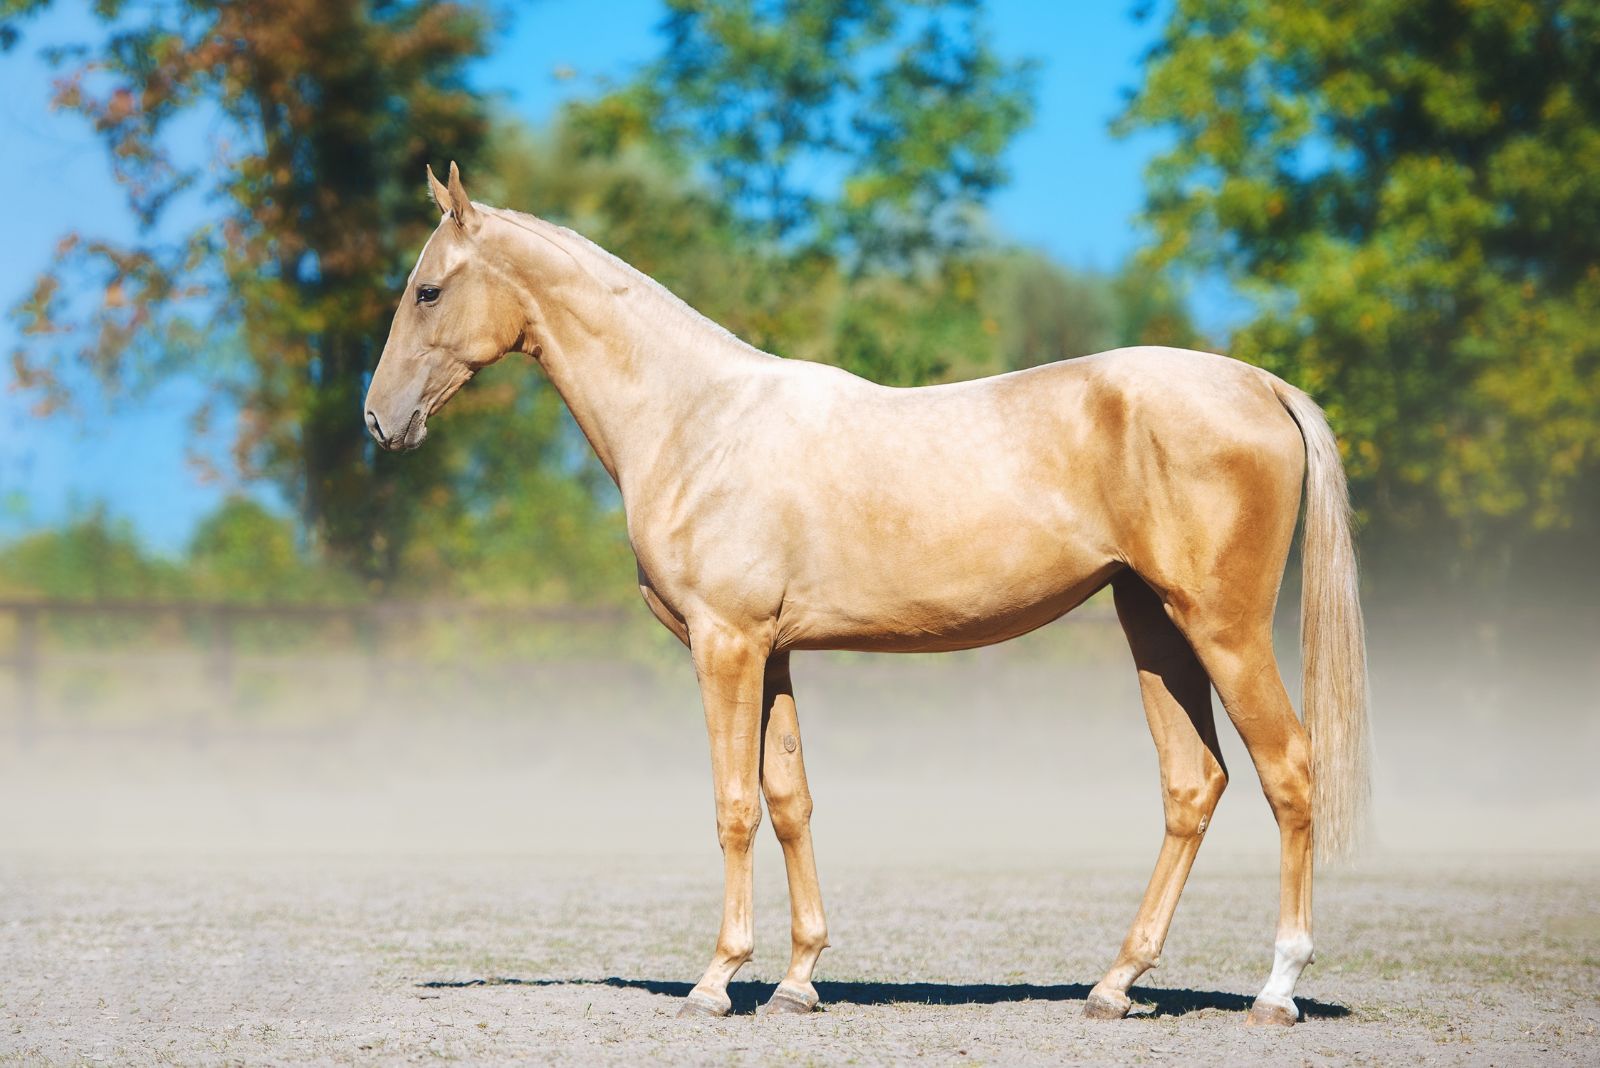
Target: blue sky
column 1075, row 194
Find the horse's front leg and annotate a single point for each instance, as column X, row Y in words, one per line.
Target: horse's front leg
column 730, row 664
column 783, row 781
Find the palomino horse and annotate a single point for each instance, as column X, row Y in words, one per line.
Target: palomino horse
column 777, row 505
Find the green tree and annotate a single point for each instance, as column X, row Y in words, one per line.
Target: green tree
column 1411, row 193
column 1039, row 311
column 904, row 108
column 90, row 559
column 904, row 102
column 333, row 107
column 243, row 552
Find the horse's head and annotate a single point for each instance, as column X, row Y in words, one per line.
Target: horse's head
column 457, row 316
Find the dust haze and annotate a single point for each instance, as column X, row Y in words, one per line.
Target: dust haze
column 1484, row 745
column 456, row 850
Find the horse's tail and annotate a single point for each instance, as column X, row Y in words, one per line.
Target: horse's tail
column 1332, row 640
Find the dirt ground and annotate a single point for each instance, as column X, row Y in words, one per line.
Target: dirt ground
column 533, row 877
column 566, row 960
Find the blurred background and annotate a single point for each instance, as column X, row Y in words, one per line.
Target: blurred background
column 226, row 622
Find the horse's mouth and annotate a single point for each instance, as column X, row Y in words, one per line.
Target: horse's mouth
column 415, row 433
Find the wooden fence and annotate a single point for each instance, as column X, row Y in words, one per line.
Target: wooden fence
column 218, row 624
column 371, row 633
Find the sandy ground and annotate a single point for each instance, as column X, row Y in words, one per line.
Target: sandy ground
column 551, row 960
column 526, row 871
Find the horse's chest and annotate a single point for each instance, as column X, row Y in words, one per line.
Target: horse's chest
column 668, row 615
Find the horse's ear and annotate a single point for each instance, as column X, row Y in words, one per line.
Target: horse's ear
column 441, row 195
column 460, row 203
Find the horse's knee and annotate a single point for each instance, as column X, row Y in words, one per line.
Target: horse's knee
column 791, row 813
column 737, row 820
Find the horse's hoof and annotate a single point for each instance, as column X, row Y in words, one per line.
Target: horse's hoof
column 700, row 1005
column 1272, row 1012
column 791, row 1000
column 1106, row 1005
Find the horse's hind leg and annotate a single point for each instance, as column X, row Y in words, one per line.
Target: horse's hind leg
column 1177, row 702
column 1241, row 664
column 783, row 781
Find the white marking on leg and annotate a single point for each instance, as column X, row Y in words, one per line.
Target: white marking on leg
column 1289, row 958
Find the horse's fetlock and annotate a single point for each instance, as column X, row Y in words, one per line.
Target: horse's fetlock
column 736, row 951
column 1140, row 955
column 809, row 938
column 1296, row 950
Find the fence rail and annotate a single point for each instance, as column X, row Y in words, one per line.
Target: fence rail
column 219, row 621
column 368, row 627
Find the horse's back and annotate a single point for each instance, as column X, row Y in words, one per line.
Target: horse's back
column 972, row 511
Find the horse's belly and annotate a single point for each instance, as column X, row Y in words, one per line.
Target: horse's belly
column 934, row 606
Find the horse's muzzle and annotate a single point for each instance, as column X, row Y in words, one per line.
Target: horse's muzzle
column 414, row 433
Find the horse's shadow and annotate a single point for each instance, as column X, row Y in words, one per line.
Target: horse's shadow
column 747, row 996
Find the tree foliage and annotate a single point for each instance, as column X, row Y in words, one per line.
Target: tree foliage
column 244, row 552
column 330, row 108
column 1411, row 192
column 93, row 558
column 240, row 552
column 834, row 156
column 809, row 174
column 871, row 127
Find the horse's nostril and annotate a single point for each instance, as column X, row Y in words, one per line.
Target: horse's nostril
column 372, row 424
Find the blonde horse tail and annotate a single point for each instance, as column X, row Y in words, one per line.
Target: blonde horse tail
column 1332, row 640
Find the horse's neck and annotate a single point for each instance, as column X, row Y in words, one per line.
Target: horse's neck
column 633, row 363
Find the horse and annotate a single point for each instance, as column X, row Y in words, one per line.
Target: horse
column 777, row 505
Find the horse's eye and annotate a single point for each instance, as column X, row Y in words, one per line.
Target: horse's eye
column 427, row 294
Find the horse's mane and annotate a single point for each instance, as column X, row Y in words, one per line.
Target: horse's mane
column 601, row 263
